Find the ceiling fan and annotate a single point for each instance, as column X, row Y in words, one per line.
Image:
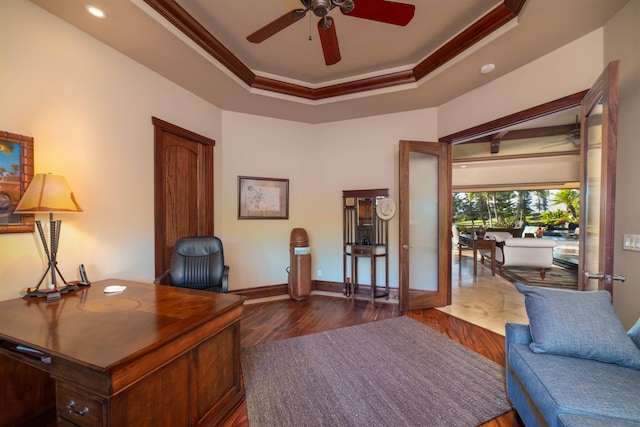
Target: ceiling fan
column 388, row 12
column 573, row 138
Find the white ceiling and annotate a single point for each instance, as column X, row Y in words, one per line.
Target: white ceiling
column 368, row 49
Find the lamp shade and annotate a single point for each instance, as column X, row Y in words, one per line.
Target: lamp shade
column 48, row 193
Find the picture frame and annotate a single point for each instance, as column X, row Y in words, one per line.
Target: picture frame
column 16, row 172
column 263, row 198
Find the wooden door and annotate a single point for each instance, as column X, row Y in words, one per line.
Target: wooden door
column 183, row 188
column 425, row 215
column 599, row 120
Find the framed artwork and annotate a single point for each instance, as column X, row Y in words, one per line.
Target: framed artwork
column 263, row 198
column 16, row 172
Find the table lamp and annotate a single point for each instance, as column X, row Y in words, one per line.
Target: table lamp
column 51, row 194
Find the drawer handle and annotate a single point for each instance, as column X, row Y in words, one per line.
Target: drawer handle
column 72, row 409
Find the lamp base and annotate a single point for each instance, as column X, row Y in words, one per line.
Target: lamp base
column 50, row 294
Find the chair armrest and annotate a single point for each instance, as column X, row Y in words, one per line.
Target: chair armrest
column 225, row 279
column 161, row 279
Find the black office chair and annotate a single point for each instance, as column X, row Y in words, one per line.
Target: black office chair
column 197, row 263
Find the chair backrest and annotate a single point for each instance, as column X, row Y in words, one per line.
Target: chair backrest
column 197, row 263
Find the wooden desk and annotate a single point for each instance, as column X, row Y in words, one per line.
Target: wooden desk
column 152, row 355
column 475, row 244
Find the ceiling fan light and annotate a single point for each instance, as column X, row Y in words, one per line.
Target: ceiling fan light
column 321, row 7
column 347, row 6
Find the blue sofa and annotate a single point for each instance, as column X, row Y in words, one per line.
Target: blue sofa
column 571, row 377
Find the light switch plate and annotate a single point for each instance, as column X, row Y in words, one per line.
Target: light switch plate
column 631, row 242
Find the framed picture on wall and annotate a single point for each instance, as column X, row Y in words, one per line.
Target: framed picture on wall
column 16, row 172
column 263, row 198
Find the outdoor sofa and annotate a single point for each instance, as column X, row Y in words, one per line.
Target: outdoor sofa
column 527, row 252
column 574, row 364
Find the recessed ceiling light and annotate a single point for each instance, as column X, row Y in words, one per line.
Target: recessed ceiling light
column 487, row 68
column 463, row 166
column 95, row 11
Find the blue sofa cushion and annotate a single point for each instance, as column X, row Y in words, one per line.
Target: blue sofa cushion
column 634, row 333
column 579, row 324
column 571, row 385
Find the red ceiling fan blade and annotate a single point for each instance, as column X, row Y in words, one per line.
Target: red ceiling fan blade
column 389, row 12
column 329, row 41
column 278, row 25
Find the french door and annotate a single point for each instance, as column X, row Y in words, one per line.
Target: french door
column 599, row 119
column 425, row 215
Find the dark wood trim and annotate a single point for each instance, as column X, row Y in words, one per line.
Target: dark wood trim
column 177, row 130
column 263, row 291
column 604, row 91
column 382, row 192
column 27, row 172
column 511, row 187
column 480, row 29
column 324, row 286
column 363, row 85
column 182, row 20
column 496, row 125
column 279, row 290
column 525, row 133
column 278, row 86
column 515, row 156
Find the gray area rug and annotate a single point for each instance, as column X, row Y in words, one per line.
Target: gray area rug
column 394, row 372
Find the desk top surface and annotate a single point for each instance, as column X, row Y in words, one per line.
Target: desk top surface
column 99, row 329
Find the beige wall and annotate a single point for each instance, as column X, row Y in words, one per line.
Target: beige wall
column 621, row 41
column 570, row 69
column 89, row 109
column 320, row 161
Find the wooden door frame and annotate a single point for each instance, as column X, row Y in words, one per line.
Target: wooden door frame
column 605, row 89
column 162, row 127
column 494, row 126
column 551, row 107
column 443, row 295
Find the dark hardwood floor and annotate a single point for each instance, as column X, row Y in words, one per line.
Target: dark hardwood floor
column 276, row 320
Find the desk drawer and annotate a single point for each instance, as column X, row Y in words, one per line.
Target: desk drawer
column 79, row 409
column 363, row 251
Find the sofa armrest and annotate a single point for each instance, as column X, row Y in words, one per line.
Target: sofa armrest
column 517, row 333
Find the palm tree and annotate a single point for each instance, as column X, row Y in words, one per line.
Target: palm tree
column 7, row 147
column 570, row 198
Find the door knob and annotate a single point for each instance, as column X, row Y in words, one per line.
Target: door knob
column 588, row 275
column 405, row 247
